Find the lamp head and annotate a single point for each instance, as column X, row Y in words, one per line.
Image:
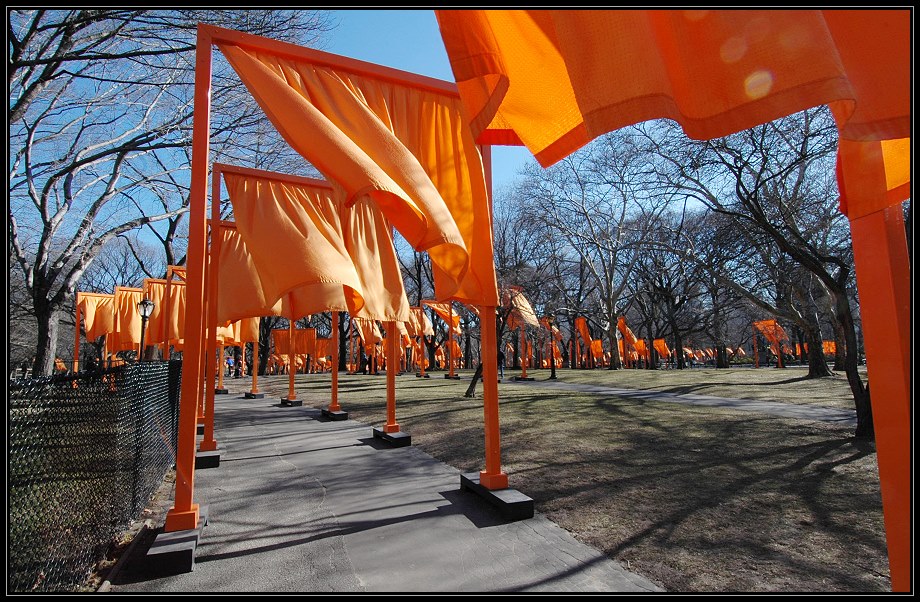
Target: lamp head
column 145, row 308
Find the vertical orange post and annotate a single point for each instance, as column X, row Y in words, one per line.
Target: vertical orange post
column 184, row 514
column 492, row 477
column 883, row 280
column 167, row 314
column 292, row 367
column 76, row 336
column 334, row 344
column 207, row 381
column 221, row 364
column 212, row 259
column 392, row 349
column 450, row 339
column 255, row 368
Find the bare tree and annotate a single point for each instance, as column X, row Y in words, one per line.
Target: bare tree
column 597, row 201
column 777, row 180
column 100, row 121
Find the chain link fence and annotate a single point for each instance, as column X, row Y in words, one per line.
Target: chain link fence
column 86, row 453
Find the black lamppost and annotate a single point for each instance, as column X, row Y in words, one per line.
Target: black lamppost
column 144, row 308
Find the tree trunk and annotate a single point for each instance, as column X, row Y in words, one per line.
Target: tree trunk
column 721, row 356
column 48, row 319
column 864, row 426
column 679, row 347
column 431, row 347
column 615, row 360
column 471, row 390
column 817, row 364
column 342, row 336
column 840, row 342
column 265, row 335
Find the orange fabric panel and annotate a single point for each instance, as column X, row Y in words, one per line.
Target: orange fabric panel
column 127, row 318
column 597, row 348
column 865, row 40
column 544, row 322
column 581, row 327
column 771, row 330
column 249, row 330
column 175, row 329
column 323, row 347
column 829, row 347
column 280, row 341
column 740, row 352
column 155, row 290
column 305, row 341
column 294, row 235
column 98, row 313
column 873, row 157
column 239, row 332
column 409, row 148
column 627, row 333
column 713, row 71
column 521, row 310
column 413, row 325
column 641, row 347
column 369, row 333
column 419, row 324
column 661, row 346
column 872, row 175
column 369, row 243
column 443, row 310
column 225, row 335
column 239, row 288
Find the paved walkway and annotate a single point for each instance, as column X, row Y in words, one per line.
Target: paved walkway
column 299, row 504
column 775, row 408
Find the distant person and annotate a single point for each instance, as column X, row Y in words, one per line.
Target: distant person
column 501, row 363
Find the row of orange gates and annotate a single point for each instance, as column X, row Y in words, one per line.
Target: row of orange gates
column 115, row 316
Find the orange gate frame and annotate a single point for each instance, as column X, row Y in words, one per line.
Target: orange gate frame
column 184, row 515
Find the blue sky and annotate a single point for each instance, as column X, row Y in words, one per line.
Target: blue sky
column 410, row 40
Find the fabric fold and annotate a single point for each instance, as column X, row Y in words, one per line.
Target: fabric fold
column 406, row 147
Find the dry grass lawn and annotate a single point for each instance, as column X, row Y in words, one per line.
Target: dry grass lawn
column 697, row 499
